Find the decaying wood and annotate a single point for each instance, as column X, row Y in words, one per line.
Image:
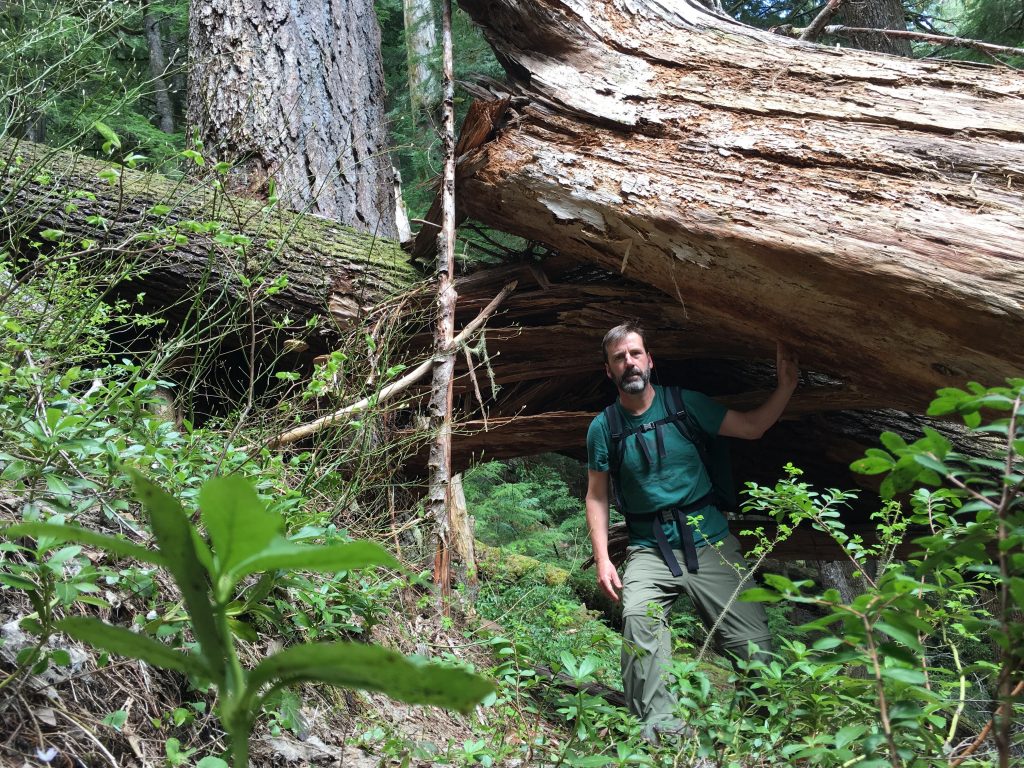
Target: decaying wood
column 865, row 209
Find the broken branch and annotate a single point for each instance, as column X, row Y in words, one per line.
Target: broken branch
column 392, row 389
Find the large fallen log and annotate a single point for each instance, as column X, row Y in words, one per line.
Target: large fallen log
column 184, row 244
column 866, row 209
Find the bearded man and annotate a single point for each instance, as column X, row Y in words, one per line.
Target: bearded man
column 649, row 458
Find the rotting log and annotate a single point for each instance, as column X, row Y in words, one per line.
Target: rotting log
column 865, row 209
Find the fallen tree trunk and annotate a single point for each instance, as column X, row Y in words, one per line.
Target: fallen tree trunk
column 865, row 209
column 187, row 246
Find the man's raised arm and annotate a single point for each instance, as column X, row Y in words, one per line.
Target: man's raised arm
column 750, row 425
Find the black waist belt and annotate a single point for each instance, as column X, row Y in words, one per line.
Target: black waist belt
column 678, row 515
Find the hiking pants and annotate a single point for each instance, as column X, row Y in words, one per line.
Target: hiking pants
column 648, row 591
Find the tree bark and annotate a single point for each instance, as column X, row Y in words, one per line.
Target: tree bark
column 876, row 14
column 294, row 92
column 866, row 210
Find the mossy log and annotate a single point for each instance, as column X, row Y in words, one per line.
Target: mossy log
column 189, row 248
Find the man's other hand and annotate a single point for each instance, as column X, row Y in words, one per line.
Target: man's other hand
column 608, row 579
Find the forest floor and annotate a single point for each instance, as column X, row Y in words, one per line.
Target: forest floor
column 93, row 711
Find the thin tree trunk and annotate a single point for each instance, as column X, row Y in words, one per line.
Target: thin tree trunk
column 158, row 70
column 292, row 93
column 440, row 407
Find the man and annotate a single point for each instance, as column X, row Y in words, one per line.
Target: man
column 660, row 478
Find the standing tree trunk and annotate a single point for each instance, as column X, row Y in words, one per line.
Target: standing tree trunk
column 294, row 92
column 875, row 14
column 421, row 40
column 158, row 70
column 439, row 463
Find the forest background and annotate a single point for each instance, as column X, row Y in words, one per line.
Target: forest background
column 880, row 661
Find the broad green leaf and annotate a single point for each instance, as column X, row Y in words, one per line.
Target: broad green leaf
column 905, row 636
column 904, row 675
column 848, row 734
column 126, row 643
column 370, row 667
column 107, row 133
column 760, row 595
column 893, row 442
column 174, row 535
column 328, row 558
column 587, row 667
column 212, row 762
column 929, row 461
column 239, row 524
column 110, row 544
column 1017, row 591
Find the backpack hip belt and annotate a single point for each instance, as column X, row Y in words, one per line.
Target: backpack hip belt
column 679, row 516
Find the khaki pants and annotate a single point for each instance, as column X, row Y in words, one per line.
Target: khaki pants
column 648, row 591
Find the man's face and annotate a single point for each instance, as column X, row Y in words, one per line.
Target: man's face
column 629, row 364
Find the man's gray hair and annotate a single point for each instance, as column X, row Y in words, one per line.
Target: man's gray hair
column 619, row 332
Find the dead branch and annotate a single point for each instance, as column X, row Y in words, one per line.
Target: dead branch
column 841, row 30
column 812, row 30
column 392, row 389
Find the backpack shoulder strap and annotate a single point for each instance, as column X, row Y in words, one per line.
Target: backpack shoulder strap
column 687, row 425
column 616, row 449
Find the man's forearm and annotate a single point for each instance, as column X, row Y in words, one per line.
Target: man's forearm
column 597, row 521
column 765, row 415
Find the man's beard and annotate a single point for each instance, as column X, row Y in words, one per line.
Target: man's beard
column 634, row 381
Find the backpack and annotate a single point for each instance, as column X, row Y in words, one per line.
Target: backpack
column 713, row 450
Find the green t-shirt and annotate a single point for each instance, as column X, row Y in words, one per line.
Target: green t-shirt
column 677, row 479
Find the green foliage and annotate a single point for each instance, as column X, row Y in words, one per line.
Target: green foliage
column 528, row 507
column 913, row 614
column 246, row 537
column 69, row 68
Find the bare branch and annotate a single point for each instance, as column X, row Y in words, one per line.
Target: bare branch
column 840, row 30
column 811, row 32
column 392, row 389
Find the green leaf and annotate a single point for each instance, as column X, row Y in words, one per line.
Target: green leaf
column 1017, row 591
column 239, row 524
column 848, row 734
column 328, row 558
column 126, row 643
column 211, row 762
column 370, row 667
column 174, row 534
column 107, row 133
column 893, row 442
column 760, row 595
column 110, row 544
column 905, row 636
column 116, row 720
column 904, row 675
column 930, row 462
